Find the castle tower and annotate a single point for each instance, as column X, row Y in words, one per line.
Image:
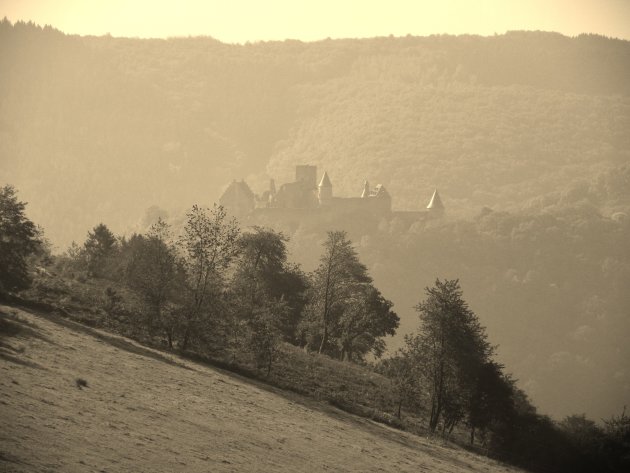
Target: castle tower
column 366, row 189
column 325, row 190
column 307, row 175
column 436, row 207
column 238, row 199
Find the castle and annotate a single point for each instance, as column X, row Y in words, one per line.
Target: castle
column 308, row 198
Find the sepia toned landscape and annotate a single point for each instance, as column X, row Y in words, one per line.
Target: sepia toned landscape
column 392, row 253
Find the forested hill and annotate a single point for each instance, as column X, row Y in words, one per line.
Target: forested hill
column 100, row 128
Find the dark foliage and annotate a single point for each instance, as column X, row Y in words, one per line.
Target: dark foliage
column 19, row 239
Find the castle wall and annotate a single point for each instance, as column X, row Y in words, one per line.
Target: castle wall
column 361, row 205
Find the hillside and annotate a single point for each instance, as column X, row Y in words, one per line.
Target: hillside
column 143, row 410
column 93, row 125
column 525, row 135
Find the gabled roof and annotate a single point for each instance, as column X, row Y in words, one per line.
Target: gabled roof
column 435, row 203
column 325, row 182
column 238, row 189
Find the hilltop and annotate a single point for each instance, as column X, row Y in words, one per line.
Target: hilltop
column 139, row 409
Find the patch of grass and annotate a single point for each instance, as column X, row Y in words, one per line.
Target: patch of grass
column 348, row 386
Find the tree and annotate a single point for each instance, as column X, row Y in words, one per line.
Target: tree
column 403, row 373
column 490, row 399
column 265, row 334
column 334, row 281
column 451, row 346
column 99, row 246
column 617, row 442
column 152, row 269
column 366, row 318
column 263, row 276
column 210, row 245
column 19, row 239
column 262, row 258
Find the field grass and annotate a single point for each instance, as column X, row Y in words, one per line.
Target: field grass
column 76, row 399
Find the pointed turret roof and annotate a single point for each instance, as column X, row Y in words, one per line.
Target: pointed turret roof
column 325, row 182
column 366, row 189
column 435, row 203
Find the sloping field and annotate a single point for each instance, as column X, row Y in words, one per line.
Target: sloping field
column 144, row 411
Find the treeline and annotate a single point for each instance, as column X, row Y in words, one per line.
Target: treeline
column 449, row 365
column 216, row 289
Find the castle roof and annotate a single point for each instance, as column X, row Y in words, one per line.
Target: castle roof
column 366, row 189
column 325, row 182
column 239, row 188
column 435, row 203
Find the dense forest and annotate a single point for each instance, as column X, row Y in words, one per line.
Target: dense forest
column 494, row 121
column 525, row 135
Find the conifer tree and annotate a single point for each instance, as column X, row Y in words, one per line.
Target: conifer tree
column 19, row 238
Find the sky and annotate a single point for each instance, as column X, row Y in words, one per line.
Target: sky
column 239, row 21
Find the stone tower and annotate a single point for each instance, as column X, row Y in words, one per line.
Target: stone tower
column 325, row 190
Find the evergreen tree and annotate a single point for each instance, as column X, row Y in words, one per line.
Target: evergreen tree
column 99, row 246
column 19, row 238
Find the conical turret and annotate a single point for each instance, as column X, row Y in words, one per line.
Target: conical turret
column 366, row 189
column 435, row 204
column 325, row 182
column 325, row 190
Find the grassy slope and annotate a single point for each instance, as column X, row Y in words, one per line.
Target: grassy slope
column 146, row 411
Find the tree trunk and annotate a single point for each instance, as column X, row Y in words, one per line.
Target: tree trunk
column 269, row 365
column 472, row 435
column 436, row 410
column 324, row 339
column 185, row 339
column 400, row 401
column 451, row 427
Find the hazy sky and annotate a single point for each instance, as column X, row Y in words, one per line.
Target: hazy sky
column 253, row 20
